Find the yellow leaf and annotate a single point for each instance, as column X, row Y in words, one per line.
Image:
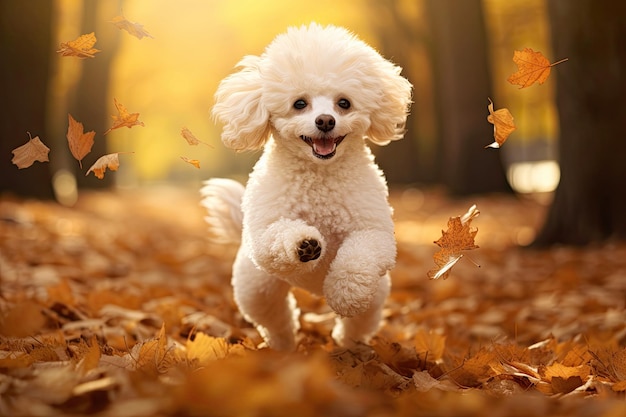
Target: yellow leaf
column 134, row 28
column 110, row 161
column 193, row 162
column 124, row 118
column 80, row 143
column 26, row 155
column 503, row 125
column 204, row 348
column 532, row 66
column 81, row 47
column 459, row 237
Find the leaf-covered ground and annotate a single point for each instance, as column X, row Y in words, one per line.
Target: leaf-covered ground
column 121, row 306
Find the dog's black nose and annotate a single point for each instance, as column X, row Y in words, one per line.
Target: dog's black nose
column 325, row 122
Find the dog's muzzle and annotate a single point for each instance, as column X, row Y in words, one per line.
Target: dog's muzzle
column 323, row 148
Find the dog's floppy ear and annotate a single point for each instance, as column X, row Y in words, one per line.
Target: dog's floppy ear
column 238, row 106
column 389, row 120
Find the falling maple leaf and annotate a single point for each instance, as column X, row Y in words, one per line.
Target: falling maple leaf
column 193, row 162
column 80, row 143
column 26, row 155
column 191, row 139
column 134, row 28
column 81, row 47
column 124, row 118
column 503, row 125
column 459, row 237
column 532, row 67
column 110, row 161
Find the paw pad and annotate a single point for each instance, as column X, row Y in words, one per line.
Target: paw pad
column 309, row 250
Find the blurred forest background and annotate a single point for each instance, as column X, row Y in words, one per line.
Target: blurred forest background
column 457, row 53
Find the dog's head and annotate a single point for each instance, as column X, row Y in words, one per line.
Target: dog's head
column 314, row 88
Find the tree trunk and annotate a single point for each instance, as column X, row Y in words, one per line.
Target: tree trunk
column 462, row 86
column 25, row 46
column 402, row 39
column 589, row 203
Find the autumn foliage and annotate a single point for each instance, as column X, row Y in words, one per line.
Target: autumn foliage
column 122, row 306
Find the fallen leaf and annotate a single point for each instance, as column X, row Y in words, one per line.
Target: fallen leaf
column 152, row 356
column 503, row 125
column 532, row 67
column 110, row 161
column 80, row 143
column 429, row 345
column 193, row 162
column 191, row 139
column 565, row 379
column 459, row 237
column 81, row 47
column 26, row 155
column 204, row 349
column 124, row 118
column 134, row 28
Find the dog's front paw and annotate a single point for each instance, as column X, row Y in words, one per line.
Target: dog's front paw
column 309, row 250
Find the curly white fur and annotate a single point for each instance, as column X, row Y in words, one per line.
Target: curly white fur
column 315, row 209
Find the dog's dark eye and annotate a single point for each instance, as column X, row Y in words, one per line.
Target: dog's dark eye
column 343, row 103
column 299, row 104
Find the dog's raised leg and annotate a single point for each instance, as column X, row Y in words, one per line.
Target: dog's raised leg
column 267, row 302
column 358, row 283
column 360, row 328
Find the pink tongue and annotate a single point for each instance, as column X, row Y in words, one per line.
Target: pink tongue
column 323, row 146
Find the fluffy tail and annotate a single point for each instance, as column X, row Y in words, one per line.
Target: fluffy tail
column 222, row 198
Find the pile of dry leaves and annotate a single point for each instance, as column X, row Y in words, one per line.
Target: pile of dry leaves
column 121, row 306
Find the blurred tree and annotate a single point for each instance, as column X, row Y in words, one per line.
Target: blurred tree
column 462, row 84
column 26, row 30
column 589, row 204
column 402, row 38
column 90, row 103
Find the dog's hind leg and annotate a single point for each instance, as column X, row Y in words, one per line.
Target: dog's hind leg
column 360, row 328
column 266, row 302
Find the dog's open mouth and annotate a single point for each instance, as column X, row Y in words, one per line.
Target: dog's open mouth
column 323, row 148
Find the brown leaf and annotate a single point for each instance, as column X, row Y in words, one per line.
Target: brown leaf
column 153, row 355
column 26, row 155
column 459, row 237
column 110, row 161
column 124, row 118
column 134, row 28
column 81, row 47
column 503, row 125
column 80, row 143
column 532, row 66
column 193, row 162
column 191, row 139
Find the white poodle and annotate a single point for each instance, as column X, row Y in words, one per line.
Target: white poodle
column 314, row 213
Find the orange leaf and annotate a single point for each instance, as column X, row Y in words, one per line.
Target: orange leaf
column 80, row 143
column 193, row 162
column 81, row 47
column 26, row 155
column 459, row 237
column 503, row 124
column 532, row 67
column 110, row 161
column 429, row 345
column 191, row 139
column 134, row 28
column 124, row 118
